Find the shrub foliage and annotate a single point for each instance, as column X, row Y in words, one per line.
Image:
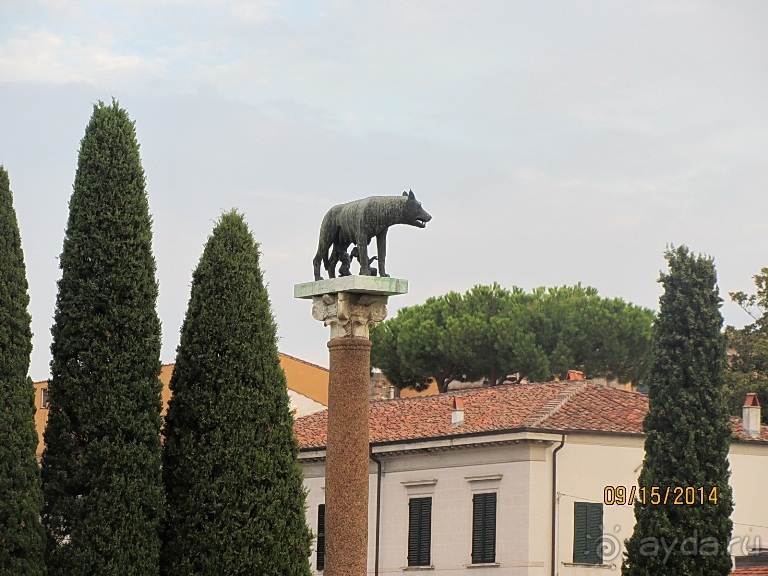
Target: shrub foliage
column 235, row 496
column 101, row 466
column 21, row 500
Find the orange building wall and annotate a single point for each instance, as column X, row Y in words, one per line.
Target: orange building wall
column 302, row 377
column 308, row 379
column 411, row 393
column 165, row 394
column 41, row 414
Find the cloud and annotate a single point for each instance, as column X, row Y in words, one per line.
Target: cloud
column 42, row 56
column 552, row 142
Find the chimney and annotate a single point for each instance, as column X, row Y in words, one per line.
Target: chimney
column 575, row 375
column 457, row 414
column 750, row 415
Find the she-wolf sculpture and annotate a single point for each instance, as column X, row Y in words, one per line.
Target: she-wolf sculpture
column 357, row 223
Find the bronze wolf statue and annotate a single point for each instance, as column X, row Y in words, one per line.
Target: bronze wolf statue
column 357, row 223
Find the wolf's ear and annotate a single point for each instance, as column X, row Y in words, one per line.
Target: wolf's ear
column 405, row 193
column 411, row 195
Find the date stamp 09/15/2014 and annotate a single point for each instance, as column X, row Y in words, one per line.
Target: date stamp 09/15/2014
column 658, row 495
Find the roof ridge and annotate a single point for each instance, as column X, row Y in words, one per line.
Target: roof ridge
column 549, row 408
column 479, row 391
column 307, row 362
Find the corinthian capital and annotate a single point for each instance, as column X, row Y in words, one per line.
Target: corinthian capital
column 349, row 314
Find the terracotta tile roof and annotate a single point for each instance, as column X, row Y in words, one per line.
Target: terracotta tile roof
column 603, row 409
column 751, row 571
column 555, row 406
column 486, row 409
column 738, row 431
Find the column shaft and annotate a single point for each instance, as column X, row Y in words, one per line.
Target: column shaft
column 346, row 472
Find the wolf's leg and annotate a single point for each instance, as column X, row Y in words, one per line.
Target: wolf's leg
column 332, row 261
column 324, row 243
column 381, row 247
column 362, row 256
column 316, row 264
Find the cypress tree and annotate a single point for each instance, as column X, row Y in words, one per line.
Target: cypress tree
column 101, row 465
column 687, row 433
column 235, row 497
column 21, row 533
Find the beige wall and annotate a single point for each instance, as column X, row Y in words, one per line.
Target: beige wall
column 586, row 464
column 749, row 474
column 302, row 405
column 516, row 472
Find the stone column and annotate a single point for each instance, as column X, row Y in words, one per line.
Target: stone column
column 346, row 460
column 350, row 306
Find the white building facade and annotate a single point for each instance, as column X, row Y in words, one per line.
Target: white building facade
column 522, row 480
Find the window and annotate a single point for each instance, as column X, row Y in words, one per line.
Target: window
column 419, row 531
column 484, row 528
column 321, row 537
column 44, row 398
column 587, row 533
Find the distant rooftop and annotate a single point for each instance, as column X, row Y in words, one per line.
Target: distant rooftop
column 566, row 406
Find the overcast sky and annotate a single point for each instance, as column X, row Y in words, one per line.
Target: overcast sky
column 553, row 142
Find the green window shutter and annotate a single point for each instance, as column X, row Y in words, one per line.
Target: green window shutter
column 484, row 528
column 419, row 531
column 587, row 533
column 321, row 537
column 595, row 530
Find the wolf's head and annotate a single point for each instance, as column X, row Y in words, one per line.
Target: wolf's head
column 414, row 214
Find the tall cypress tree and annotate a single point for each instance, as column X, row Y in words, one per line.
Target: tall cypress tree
column 687, row 433
column 101, row 465
column 235, row 496
column 21, row 534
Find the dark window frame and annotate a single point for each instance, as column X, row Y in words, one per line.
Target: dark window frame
column 320, row 537
column 587, row 533
column 484, row 513
column 420, row 531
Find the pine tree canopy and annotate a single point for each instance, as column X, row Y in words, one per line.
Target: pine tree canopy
column 687, row 430
column 235, row 495
column 747, row 368
column 21, row 500
column 491, row 331
column 101, row 466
